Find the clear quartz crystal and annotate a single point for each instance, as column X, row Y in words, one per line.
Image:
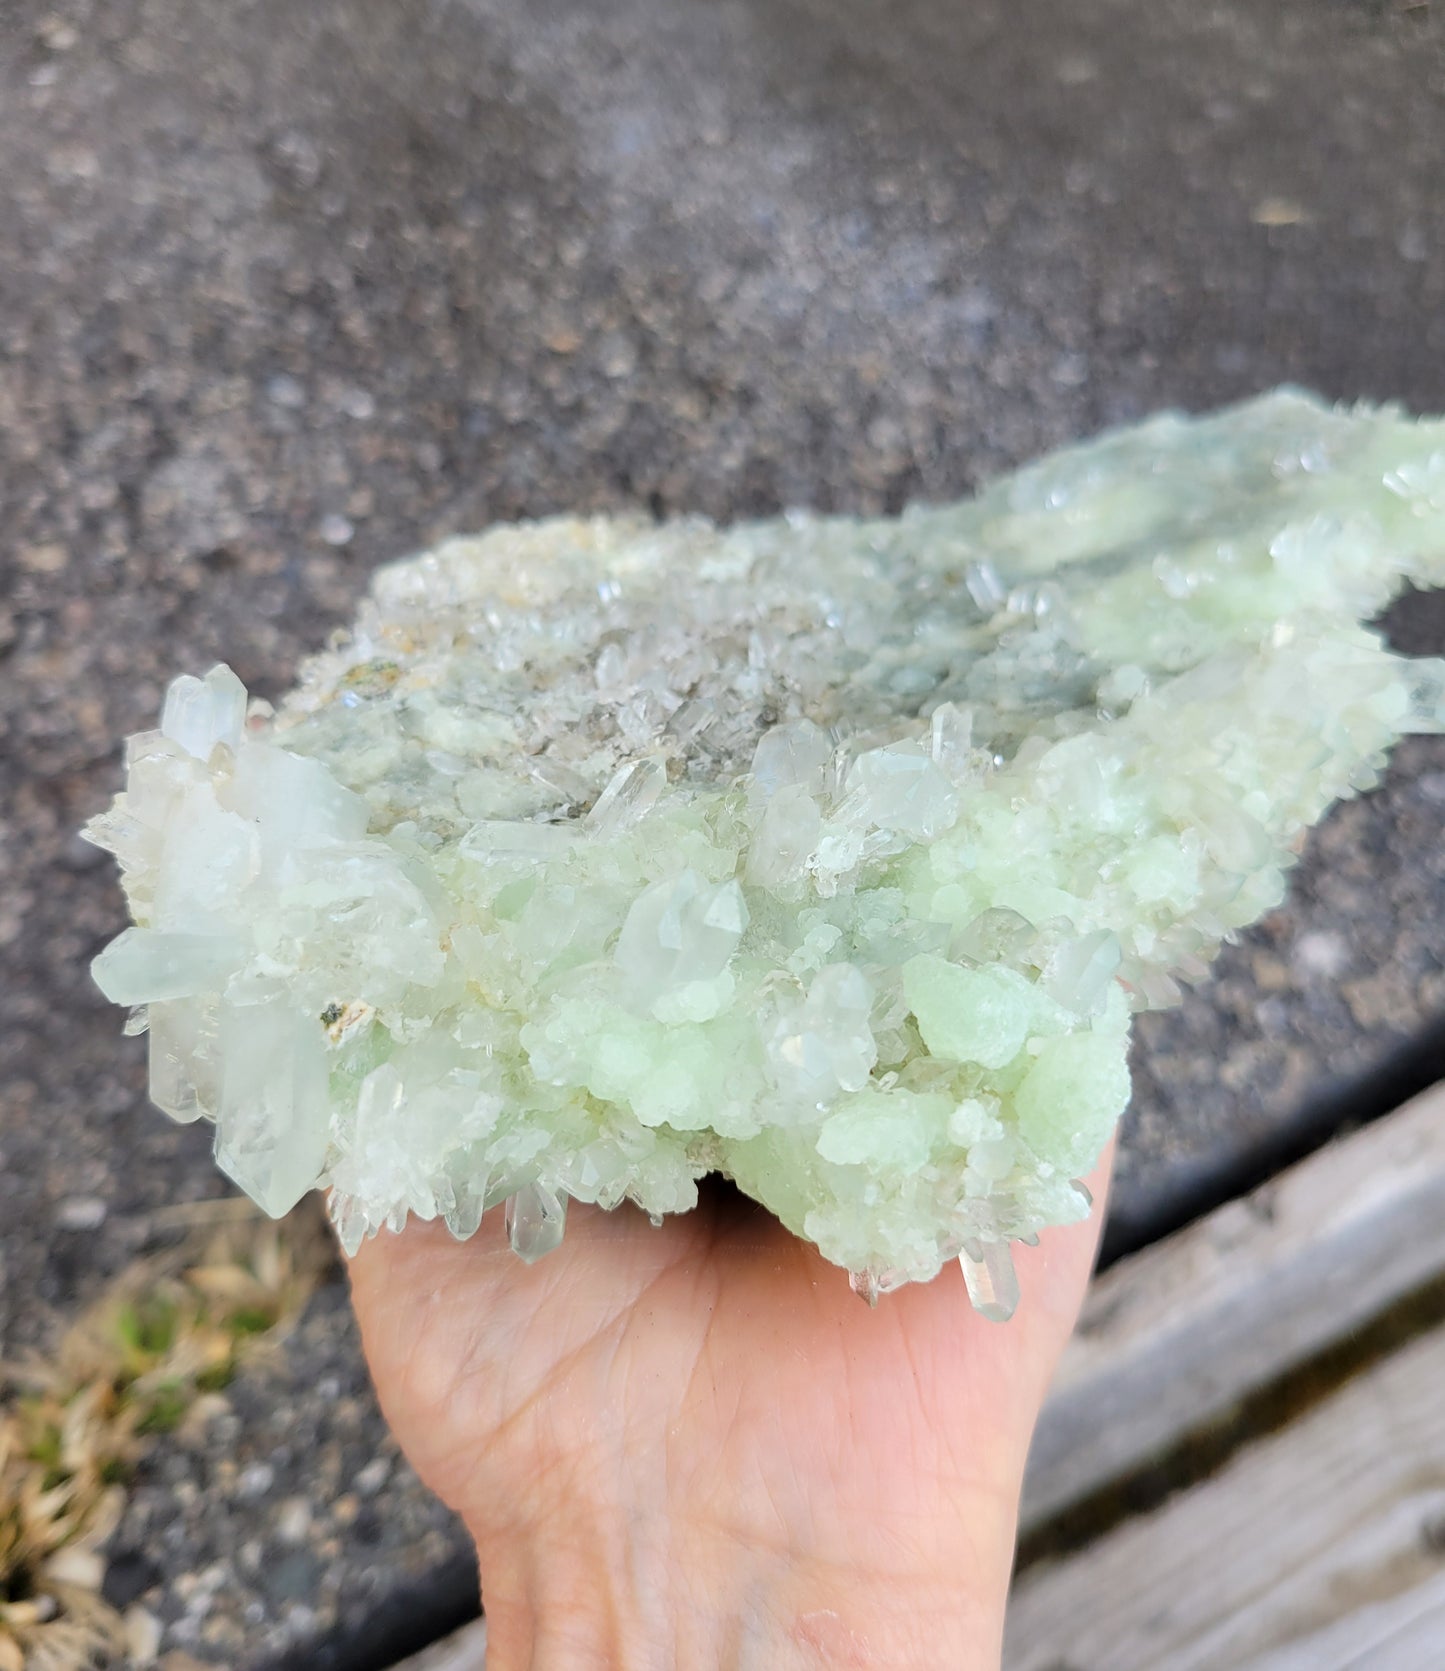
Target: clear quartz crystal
column 870, row 1285
column 536, row 1218
column 825, row 1043
column 834, row 856
column 199, row 713
column 951, row 739
column 794, row 755
column 678, row 932
column 185, row 1059
column 275, row 1115
column 156, row 966
column 1078, row 974
column 629, row 797
column 993, row 1284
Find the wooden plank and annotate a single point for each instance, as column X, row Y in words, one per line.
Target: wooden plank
column 1317, row 1549
column 1177, row 1335
column 1405, row 1634
column 463, row 1650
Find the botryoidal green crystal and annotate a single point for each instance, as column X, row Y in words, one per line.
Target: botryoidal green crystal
column 830, row 855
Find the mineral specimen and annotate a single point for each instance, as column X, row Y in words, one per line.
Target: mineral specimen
column 830, row 855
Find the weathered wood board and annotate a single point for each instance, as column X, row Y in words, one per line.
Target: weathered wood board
column 1177, row 1335
column 1321, row 1548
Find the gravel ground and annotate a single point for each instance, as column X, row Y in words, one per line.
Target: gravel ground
column 288, row 290
column 279, row 1526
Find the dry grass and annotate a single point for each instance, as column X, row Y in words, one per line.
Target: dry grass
column 174, row 1326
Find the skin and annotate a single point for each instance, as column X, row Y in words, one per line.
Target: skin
column 693, row 1447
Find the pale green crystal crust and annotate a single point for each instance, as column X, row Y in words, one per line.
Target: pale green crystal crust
column 831, row 855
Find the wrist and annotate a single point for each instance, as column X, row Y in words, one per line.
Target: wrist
column 578, row 1596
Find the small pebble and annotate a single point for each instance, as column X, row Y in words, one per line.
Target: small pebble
column 1321, row 954
column 373, row 1476
column 49, row 558
column 285, row 391
column 80, row 1212
column 337, row 530
column 142, row 1636
column 293, row 1520
column 256, row 1479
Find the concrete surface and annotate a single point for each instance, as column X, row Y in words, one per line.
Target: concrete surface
column 290, row 289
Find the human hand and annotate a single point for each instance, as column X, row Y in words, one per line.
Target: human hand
column 693, row 1447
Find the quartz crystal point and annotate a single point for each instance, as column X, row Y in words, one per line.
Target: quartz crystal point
column 993, row 1284
column 830, row 855
column 536, row 1218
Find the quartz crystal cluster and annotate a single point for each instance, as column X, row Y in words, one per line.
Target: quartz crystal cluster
column 830, row 855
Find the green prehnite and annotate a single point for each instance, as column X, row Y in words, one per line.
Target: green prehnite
column 831, row 855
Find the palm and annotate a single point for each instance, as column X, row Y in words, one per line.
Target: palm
column 716, row 1362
